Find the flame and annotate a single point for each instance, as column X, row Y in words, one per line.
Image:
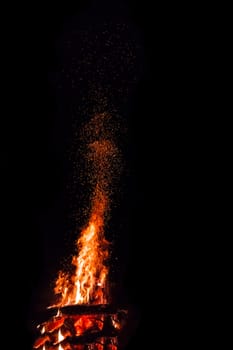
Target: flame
column 88, row 284
column 42, row 332
column 60, row 337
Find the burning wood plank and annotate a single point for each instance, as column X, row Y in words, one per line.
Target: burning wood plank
column 42, row 340
column 54, row 324
column 81, row 309
column 94, row 338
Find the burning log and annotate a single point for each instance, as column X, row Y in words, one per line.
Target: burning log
column 54, row 324
column 41, row 341
column 88, row 338
column 81, row 309
column 84, row 309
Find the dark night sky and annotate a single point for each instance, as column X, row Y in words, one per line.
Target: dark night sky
column 56, row 58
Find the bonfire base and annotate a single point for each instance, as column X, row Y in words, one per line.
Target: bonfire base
column 81, row 327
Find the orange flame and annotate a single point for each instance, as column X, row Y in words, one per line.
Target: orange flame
column 89, row 281
column 91, row 272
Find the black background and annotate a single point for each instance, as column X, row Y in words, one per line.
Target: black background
column 35, row 136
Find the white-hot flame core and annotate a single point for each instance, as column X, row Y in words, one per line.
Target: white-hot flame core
column 59, row 339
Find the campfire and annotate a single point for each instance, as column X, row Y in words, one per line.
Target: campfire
column 84, row 317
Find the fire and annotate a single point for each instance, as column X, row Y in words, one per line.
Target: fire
column 88, row 284
column 91, row 272
column 59, row 339
column 89, row 281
